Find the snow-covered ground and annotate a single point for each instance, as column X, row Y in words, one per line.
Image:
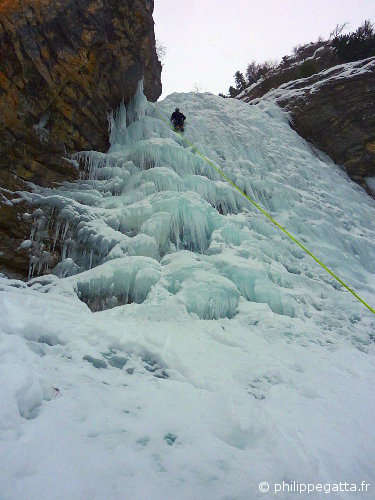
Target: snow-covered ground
column 197, row 351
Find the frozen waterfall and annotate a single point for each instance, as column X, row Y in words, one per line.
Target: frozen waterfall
column 154, row 208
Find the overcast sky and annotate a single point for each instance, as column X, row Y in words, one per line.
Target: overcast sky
column 206, row 41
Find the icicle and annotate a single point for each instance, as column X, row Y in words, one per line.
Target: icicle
column 137, row 106
column 117, row 124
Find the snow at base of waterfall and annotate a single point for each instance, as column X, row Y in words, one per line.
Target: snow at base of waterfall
column 197, row 351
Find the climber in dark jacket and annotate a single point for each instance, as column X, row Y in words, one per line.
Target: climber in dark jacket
column 178, row 119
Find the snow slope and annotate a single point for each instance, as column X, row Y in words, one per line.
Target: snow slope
column 309, row 85
column 198, row 351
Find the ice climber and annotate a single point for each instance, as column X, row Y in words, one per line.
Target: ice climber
column 178, row 119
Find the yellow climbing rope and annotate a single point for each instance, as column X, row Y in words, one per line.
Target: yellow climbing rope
column 285, row 231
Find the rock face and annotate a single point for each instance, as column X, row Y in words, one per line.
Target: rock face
column 63, row 65
column 340, row 120
column 335, row 111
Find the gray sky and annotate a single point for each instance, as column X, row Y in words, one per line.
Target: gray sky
column 208, row 40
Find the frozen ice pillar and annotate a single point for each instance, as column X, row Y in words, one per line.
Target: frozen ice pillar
column 124, row 116
column 117, row 124
column 137, row 106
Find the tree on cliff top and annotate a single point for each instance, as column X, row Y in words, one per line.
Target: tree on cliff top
column 239, row 80
column 357, row 45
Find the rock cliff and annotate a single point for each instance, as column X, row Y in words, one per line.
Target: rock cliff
column 63, row 65
column 334, row 110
